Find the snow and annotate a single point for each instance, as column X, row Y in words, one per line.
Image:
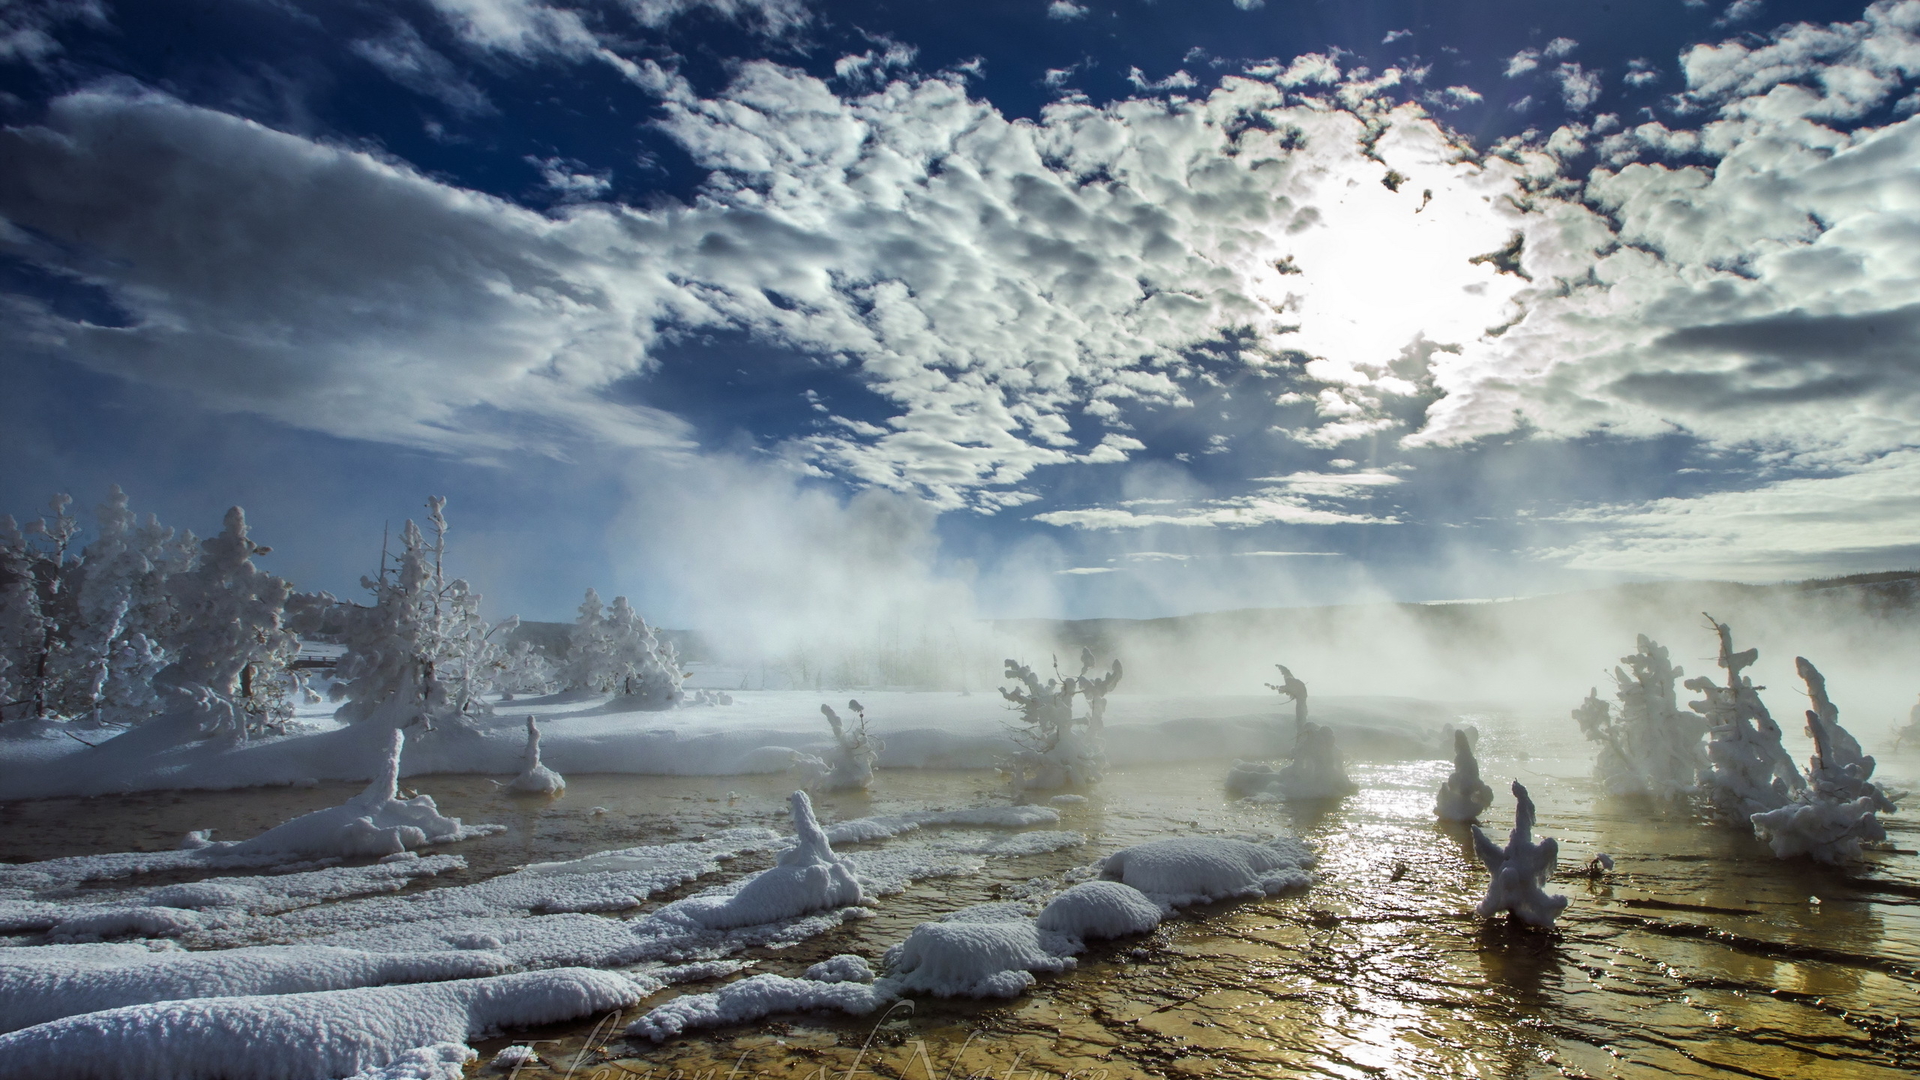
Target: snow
column 1520, row 870
column 1463, row 795
column 39, row 984
column 1099, row 909
column 1316, row 771
column 881, row 827
column 534, row 777
column 807, row 877
column 1649, row 747
column 375, row 822
column 846, row 967
column 1178, row 871
column 755, row 997
column 1748, row 771
column 975, row 959
column 306, row 1035
column 849, row 765
column 441, row 1061
column 1833, row 815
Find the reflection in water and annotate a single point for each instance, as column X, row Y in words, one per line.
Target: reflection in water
column 1700, row 956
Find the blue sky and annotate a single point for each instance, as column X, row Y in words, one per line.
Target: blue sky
column 847, row 310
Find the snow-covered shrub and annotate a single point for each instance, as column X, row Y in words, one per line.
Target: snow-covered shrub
column 230, row 641
column 849, row 765
column 1463, row 795
column 612, row 650
column 1748, row 771
column 1054, row 749
column 1649, row 747
column 1833, row 816
column 526, row 669
column 420, row 653
column 534, row 777
column 1520, row 870
column 1292, row 689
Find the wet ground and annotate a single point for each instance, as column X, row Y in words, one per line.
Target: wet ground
column 1700, row 955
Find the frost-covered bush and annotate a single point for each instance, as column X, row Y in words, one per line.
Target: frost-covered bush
column 1316, row 771
column 849, row 766
column 1055, row 749
column 1463, row 795
column 420, row 653
column 1649, row 747
column 1833, row 816
column 612, row 650
column 1748, row 771
column 230, row 641
column 527, row 669
column 1520, row 870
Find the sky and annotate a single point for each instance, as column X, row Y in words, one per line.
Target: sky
column 784, row 317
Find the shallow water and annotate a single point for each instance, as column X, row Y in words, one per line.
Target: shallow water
column 1701, row 955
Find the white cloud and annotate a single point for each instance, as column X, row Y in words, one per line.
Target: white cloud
column 1739, row 11
column 1066, row 10
column 1395, row 35
column 1249, row 5
column 1579, row 88
column 1559, row 47
column 26, row 26
column 402, row 56
column 572, row 180
column 1239, row 512
column 1641, row 73
column 1089, row 570
column 1522, row 62
column 1179, row 80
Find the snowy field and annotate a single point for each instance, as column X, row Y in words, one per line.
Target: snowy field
column 670, row 911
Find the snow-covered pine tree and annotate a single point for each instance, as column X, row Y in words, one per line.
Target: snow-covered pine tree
column 612, row 650
column 420, row 653
column 230, row 641
column 126, row 609
column 528, row 670
column 1748, row 771
column 589, row 663
column 38, row 616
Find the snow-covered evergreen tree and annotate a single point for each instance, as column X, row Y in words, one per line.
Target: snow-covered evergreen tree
column 1748, row 772
column 527, row 670
column 1649, row 747
column 612, row 650
column 23, row 629
column 420, row 653
column 230, row 640
column 39, row 573
column 126, row 609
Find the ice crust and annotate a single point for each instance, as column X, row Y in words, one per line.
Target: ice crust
column 1184, row 870
column 302, row 1036
column 1463, row 795
column 1520, row 870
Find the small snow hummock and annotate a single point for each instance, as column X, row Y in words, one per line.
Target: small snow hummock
column 1833, row 815
column 1748, row 771
column 375, row 822
column 1520, row 872
column 960, row 958
column 1650, row 747
column 1100, row 909
column 807, row 877
column 1186, row 870
column 534, row 777
column 1463, row 795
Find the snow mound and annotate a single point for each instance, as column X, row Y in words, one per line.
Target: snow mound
column 116, row 922
column 974, row 959
column 1100, row 909
column 535, row 778
column 39, row 984
column 1521, row 870
column 441, row 1061
column 846, row 967
column 375, row 822
column 806, row 878
column 1200, row 869
column 1463, row 795
column 302, row 1036
column 756, row 997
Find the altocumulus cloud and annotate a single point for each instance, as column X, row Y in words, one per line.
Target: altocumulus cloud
column 1004, row 284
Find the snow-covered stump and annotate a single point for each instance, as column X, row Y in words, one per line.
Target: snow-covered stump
column 1748, row 771
column 1520, row 870
column 535, row 778
column 375, row 822
column 1649, row 747
column 1833, row 817
column 807, row 877
column 1463, row 795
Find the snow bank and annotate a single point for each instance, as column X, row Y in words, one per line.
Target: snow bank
column 375, row 822
column 1186, row 870
column 756, row 997
column 302, row 1036
column 535, row 778
column 1463, row 795
column 807, row 877
column 1521, row 870
column 441, row 1061
column 1099, row 909
column 38, row 984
